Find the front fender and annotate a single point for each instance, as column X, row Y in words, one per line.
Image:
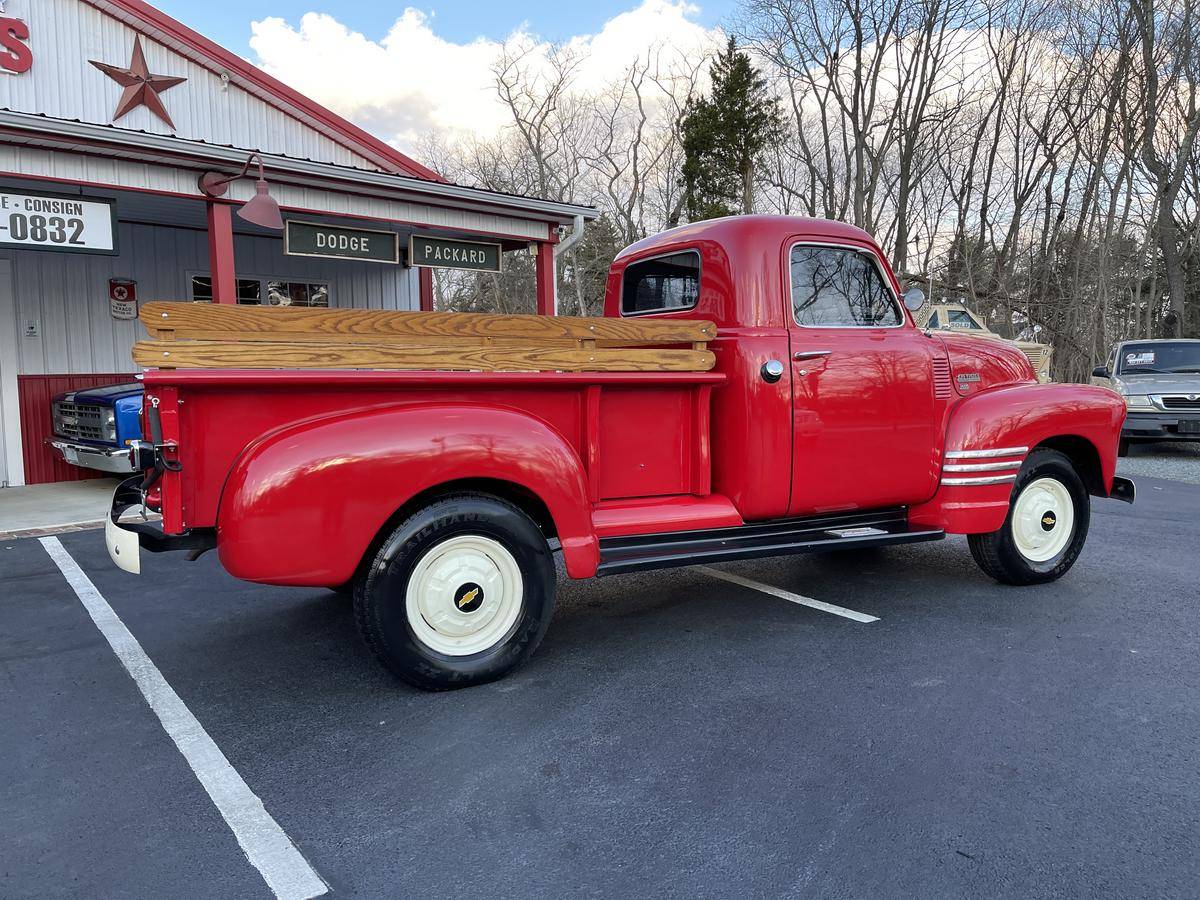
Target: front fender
column 301, row 506
column 1020, row 418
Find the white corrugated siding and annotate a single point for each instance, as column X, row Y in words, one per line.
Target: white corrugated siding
column 395, row 210
column 72, row 167
column 66, row 34
column 67, row 294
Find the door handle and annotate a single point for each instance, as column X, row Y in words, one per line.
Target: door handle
column 801, row 355
column 771, row 371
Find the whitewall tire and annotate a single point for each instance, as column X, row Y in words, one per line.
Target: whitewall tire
column 460, row 593
column 1048, row 518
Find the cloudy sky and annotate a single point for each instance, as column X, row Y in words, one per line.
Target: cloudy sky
column 402, row 74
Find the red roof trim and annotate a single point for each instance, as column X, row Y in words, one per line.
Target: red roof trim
column 352, row 136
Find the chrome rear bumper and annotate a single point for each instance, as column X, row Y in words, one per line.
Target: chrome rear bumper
column 88, row 456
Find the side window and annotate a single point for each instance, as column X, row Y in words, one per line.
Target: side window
column 661, row 284
column 833, row 286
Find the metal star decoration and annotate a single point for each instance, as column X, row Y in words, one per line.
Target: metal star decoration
column 141, row 87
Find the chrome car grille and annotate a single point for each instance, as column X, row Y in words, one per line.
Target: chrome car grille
column 82, row 421
column 1181, row 402
column 1039, row 358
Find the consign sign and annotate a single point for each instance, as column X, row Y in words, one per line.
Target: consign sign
column 451, row 254
column 58, row 222
column 315, row 239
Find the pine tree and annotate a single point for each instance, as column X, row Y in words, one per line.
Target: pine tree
column 722, row 136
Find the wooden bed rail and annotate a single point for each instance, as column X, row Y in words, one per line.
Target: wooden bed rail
column 193, row 335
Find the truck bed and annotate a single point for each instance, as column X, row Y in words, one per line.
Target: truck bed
column 614, row 411
column 642, row 434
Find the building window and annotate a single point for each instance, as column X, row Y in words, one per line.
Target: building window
column 277, row 292
column 661, row 284
column 834, row 287
column 297, row 293
column 249, row 290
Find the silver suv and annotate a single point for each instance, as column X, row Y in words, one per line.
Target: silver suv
column 1160, row 381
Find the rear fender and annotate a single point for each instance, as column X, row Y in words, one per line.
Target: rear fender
column 1019, row 419
column 302, row 506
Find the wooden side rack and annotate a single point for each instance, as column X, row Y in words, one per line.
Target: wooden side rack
column 206, row 336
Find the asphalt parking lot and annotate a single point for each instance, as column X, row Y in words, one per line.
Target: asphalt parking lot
column 676, row 735
column 1176, row 461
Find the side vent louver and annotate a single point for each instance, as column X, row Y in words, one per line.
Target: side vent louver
column 942, row 387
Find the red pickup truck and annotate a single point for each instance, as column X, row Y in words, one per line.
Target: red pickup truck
column 829, row 421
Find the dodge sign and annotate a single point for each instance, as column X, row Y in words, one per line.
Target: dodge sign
column 448, row 254
column 58, row 222
column 315, row 239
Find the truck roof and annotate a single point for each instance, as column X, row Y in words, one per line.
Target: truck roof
column 757, row 227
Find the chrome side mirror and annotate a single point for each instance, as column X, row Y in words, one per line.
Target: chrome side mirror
column 914, row 298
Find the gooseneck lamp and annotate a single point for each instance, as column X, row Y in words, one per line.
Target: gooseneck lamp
column 261, row 209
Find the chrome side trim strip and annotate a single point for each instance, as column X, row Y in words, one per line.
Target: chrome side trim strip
column 990, row 479
column 983, row 467
column 984, row 454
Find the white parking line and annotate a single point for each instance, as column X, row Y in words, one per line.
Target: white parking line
column 788, row 595
column 265, row 844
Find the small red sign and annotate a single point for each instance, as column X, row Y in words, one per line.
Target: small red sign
column 122, row 289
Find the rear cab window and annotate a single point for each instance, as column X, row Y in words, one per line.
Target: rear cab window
column 661, row 284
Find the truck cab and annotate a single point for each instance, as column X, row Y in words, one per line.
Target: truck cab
column 868, row 408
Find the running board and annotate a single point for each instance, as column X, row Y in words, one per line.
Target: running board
column 813, row 534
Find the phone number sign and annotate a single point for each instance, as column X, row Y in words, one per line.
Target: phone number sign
column 57, row 222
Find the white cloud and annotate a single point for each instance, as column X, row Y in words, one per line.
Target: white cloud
column 412, row 81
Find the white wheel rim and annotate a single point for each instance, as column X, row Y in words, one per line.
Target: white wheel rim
column 464, row 595
column 1043, row 519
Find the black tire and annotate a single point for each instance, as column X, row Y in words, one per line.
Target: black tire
column 380, row 595
column 997, row 553
column 1123, row 447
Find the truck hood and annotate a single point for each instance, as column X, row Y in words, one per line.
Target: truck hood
column 1151, row 383
column 978, row 363
column 105, row 396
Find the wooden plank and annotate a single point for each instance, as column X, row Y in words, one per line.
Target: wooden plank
column 389, row 340
column 291, row 355
column 188, row 318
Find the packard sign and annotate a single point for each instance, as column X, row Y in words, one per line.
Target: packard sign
column 58, row 222
column 315, row 239
column 451, row 254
